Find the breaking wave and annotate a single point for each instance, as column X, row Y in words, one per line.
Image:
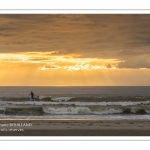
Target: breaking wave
column 59, row 99
column 74, row 110
column 58, row 106
column 40, row 103
column 95, row 110
column 66, row 110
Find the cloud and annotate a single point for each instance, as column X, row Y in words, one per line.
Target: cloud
column 52, row 60
column 49, row 67
column 75, row 67
column 91, row 35
column 82, row 67
column 137, row 62
column 98, row 36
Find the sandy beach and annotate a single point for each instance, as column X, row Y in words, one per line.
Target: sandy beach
column 74, row 128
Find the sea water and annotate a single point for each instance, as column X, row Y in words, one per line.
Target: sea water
column 76, row 102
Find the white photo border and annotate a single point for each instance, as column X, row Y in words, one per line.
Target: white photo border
column 74, row 138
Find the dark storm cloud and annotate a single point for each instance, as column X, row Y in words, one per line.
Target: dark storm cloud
column 104, row 36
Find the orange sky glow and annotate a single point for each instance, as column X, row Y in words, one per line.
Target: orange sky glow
column 74, row 50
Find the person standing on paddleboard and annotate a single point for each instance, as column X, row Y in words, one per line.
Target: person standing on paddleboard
column 32, row 96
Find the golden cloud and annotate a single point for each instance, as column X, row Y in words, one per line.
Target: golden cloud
column 52, row 60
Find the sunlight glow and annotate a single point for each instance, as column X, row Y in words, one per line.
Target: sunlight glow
column 54, row 61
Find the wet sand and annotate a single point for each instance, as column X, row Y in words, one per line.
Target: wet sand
column 74, row 128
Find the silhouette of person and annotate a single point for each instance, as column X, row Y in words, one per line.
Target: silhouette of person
column 32, row 96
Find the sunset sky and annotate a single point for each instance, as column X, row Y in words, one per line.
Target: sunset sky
column 74, row 50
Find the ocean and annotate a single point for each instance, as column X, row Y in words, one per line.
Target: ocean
column 76, row 102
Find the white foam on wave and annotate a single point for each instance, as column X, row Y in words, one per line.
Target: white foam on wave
column 108, row 111
column 2, row 109
column 38, row 103
column 66, row 110
column 42, row 97
column 136, row 109
column 66, row 102
column 79, row 110
column 59, row 99
column 125, row 103
column 94, row 117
